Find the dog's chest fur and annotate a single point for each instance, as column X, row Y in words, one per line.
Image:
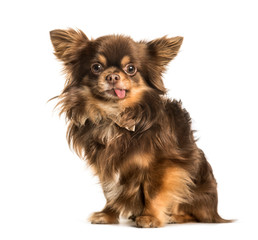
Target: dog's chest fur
column 123, row 187
column 112, row 188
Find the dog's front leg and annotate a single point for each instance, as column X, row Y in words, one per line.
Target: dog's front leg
column 153, row 214
column 163, row 189
column 109, row 215
column 106, row 216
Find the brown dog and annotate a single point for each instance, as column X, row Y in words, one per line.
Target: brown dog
column 139, row 143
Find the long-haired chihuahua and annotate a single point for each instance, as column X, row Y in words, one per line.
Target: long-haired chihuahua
column 138, row 142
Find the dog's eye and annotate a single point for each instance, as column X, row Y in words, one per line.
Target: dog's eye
column 96, row 68
column 130, row 69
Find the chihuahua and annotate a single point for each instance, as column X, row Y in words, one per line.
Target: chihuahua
column 138, row 142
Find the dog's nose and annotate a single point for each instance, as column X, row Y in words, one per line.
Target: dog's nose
column 112, row 78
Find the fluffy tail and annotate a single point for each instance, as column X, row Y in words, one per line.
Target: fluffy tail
column 218, row 219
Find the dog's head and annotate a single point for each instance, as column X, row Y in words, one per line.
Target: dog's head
column 114, row 67
column 110, row 74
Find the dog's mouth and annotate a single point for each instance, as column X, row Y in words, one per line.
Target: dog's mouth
column 116, row 92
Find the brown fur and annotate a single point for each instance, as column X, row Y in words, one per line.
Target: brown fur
column 139, row 143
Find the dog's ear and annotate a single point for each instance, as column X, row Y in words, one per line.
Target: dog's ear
column 160, row 52
column 164, row 49
column 68, row 43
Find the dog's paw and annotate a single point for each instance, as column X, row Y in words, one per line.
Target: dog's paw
column 147, row 222
column 103, row 218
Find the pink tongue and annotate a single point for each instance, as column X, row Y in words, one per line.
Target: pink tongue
column 120, row 93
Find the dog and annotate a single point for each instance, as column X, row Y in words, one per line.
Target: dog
column 138, row 142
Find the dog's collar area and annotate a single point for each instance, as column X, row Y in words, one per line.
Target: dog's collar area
column 128, row 125
column 129, row 128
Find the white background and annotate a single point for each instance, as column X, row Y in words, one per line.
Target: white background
column 46, row 191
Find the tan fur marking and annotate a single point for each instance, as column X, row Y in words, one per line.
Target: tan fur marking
column 135, row 95
column 125, row 60
column 176, row 182
column 142, row 160
column 102, row 59
column 175, row 189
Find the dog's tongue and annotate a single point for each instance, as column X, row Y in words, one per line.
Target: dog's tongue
column 120, row 93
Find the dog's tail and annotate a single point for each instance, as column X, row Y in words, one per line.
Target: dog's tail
column 218, row 219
